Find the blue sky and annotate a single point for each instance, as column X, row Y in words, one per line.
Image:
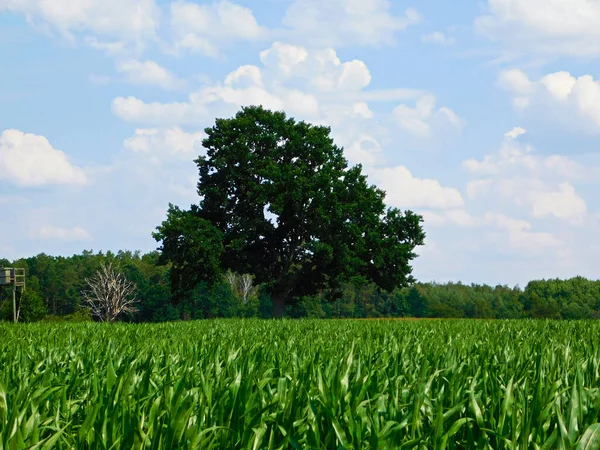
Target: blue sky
column 483, row 117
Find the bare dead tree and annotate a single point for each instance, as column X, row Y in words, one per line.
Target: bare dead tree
column 109, row 294
column 232, row 279
column 247, row 287
column 241, row 285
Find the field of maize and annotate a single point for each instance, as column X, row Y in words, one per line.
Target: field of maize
column 253, row 384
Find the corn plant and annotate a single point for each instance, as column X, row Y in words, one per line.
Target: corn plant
column 250, row 384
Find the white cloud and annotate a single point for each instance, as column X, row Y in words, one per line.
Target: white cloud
column 564, row 204
column 519, row 237
column 308, row 84
column 164, row 142
column 116, row 48
column 510, row 157
column 148, row 73
column 559, row 94
column 123, row 27
column 544, row 198
column 456, row 216
column 365, row 150
column 420, row 120
column 478, row 188
column 517, row 159
column 319, row 69
column 515, row 132
column 437, row 37
column 345, row 22
column 542, row 184
column 405, row 191
column 507, row 234
column 206, row 28
column 132, row 109
column 519, row 84
column 51, row 232
column 29, row 160
column 242, row 87
column 312, row 85
column 127, row 21
column 565, row 168
column 555, row 27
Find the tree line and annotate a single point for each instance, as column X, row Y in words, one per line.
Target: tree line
column 56, row 289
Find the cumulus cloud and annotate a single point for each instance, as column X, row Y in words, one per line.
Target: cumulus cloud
column 559, row 95
column 165, row 142
column 478, row 188
column 121, row 22
column 403, row 190
column 510, row 157
column 518, row 237
column 563, row 203
column 365, row 150
column 148, row 73
column 521, row 159
column 51, row 232
column 515, row 132
column 544, row 27
column 120, row 27
column 242, row 87
column 507, row 234
column 312, row 85
column 542, row 184
column 319, row 69
column 132, row 109
column 420, row 120
column 207, row 28
column 30, row 160
column 345, row 22
column 455, row 216
column 544, row 198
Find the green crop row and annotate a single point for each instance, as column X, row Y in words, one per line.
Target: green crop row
column 301, row 384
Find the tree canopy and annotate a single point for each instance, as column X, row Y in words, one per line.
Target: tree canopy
column 279, row 201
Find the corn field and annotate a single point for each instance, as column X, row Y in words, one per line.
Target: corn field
column 253, row 384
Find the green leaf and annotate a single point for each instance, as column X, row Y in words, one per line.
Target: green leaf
column 591, row 438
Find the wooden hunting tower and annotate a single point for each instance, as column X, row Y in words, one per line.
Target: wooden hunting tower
column 14, row 277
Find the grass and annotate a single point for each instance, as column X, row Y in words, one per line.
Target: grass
column 301, row 384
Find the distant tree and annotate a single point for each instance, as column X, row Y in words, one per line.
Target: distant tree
column 109, row 294
column 192, row 247
column 278, row 200
column 31, row 304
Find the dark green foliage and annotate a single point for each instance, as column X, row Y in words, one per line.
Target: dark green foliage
column 204, row 302
column 576, row 298
column 278, row 201
column 31, row 302
column 193, row 247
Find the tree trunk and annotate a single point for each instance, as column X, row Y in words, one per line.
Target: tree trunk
column 278, row 306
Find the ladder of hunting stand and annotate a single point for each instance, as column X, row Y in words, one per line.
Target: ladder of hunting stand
column 14, row 277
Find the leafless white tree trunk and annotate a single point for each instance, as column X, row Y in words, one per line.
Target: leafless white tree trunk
column 232, row 280
column 246, row 287
column 241, row 285
column 109, row 294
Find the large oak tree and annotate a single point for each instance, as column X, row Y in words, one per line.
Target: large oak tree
column 279, row 201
